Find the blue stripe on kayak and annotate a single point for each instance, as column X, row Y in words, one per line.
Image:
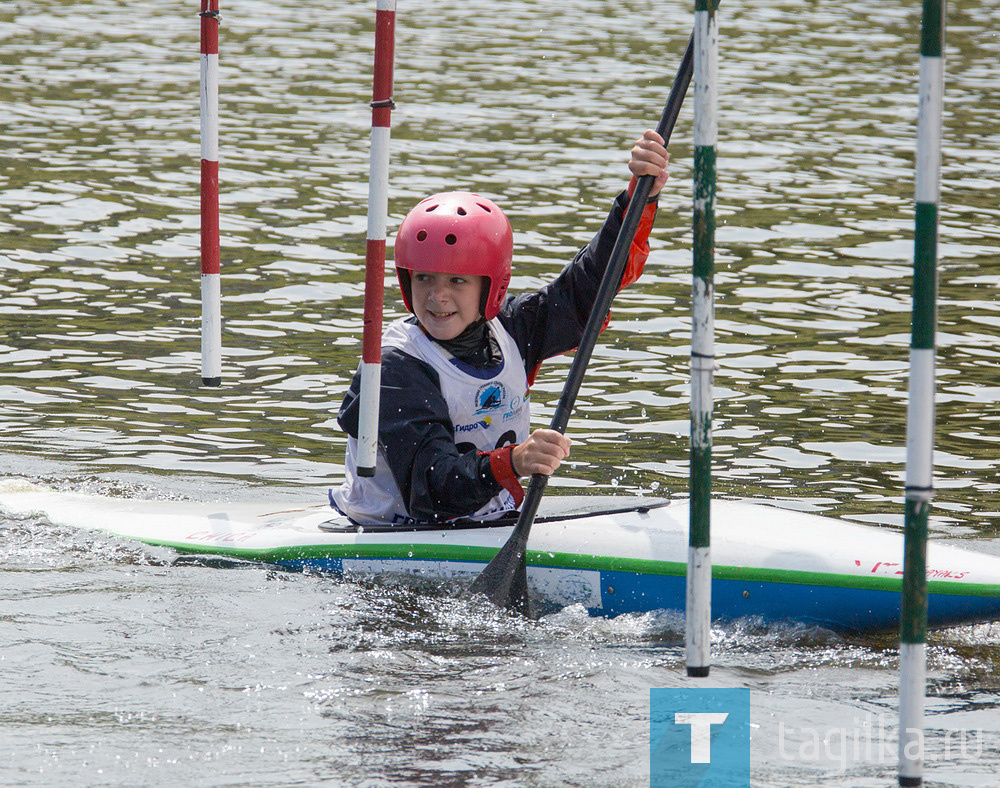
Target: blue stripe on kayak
column 835, row 607
column 830, row 606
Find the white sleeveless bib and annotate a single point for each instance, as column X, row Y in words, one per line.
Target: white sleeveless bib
column 489, row 409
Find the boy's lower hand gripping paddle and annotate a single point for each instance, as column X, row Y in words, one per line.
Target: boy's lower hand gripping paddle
column 504, row 580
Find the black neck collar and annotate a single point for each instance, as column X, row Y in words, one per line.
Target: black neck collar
column 476, row 345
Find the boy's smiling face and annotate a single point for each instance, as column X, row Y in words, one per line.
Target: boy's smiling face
column 445, row 304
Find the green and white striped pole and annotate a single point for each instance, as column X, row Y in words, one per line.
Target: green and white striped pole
column 920, row 413
column 698, row 618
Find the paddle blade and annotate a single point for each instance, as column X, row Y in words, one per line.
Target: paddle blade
column 504, row 581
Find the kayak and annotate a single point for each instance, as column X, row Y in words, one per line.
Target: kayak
column 612, row 555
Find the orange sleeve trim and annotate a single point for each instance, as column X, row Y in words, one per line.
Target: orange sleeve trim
column 631, row 190
column 633, row 182
column 638, row 253
column 502, row 465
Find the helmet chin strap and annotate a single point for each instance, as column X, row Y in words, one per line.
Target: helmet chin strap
column 404, row 285
column 485, row 294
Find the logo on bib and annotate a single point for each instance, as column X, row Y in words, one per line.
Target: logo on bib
column 482, row 424
column 490, row 396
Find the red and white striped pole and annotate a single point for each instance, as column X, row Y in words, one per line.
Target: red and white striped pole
column 211, row 292
column 378, row 209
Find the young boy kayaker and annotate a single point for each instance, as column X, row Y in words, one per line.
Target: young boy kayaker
column 454, row 435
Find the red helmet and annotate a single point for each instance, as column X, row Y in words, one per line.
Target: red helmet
column 457, row 233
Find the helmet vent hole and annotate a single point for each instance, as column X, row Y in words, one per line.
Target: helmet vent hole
column 484, row 207
column 450, row 239
column 462, row 212
column 422, row 235
column 431, row 208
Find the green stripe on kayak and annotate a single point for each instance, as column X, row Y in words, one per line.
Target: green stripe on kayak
column 425, row 552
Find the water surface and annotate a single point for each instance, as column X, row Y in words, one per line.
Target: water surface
column 124, row 670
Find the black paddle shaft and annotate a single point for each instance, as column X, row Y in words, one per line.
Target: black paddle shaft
column 504, row 580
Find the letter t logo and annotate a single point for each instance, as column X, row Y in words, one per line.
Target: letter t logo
column 701, row 732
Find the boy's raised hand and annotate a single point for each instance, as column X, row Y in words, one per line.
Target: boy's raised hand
column 541, row 453
column 650, row 157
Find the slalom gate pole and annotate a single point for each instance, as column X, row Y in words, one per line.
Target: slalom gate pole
column 698, row 618
column 378, row 209
column 920, row 411
column 211, row 290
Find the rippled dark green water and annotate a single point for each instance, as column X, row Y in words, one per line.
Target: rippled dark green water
column 119, row 669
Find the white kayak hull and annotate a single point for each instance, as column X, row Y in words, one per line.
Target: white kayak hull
column 612, row 555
